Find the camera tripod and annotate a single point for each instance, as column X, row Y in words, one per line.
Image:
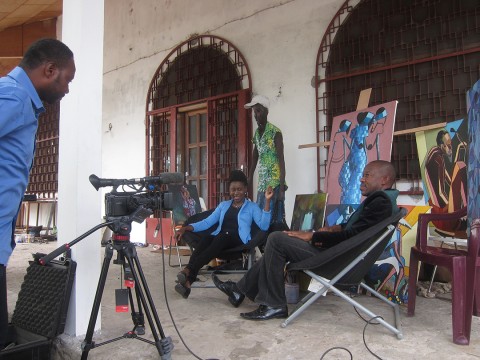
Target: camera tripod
column 127, row 257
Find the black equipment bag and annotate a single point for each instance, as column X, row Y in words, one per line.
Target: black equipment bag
column 41, row 310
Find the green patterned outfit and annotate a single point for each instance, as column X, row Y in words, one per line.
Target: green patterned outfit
column 268, row 167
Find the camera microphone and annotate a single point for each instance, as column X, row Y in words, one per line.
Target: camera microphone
column 165, row 178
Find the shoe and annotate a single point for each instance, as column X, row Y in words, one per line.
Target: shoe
column 183, row 290
column 182, row 276
column 265, row 312
column 229, row 288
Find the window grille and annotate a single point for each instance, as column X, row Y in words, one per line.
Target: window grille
column 203, row 70
column 43, row 180
column 423, row 53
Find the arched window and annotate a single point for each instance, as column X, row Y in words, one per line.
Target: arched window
column 195, row 119
column 423, row 53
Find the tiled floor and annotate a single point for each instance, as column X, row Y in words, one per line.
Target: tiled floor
column 206, row 325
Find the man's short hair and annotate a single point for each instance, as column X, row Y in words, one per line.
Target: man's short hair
column 387, row 169
column 45, row 50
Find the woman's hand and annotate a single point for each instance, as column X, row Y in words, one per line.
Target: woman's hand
column 302, row 235
column 179, row 233
column 268, row 197
column 269, row 193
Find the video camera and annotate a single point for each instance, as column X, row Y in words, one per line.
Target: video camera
column 139, row 197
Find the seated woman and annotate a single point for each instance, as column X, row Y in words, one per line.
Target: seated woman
column 234, row 218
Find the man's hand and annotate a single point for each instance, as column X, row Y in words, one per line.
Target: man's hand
column 333, row 228
column 302, row 235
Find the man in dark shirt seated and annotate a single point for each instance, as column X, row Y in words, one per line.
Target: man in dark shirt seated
column 264, row 283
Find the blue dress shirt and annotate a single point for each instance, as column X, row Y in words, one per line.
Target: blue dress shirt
column 249, row 212
column 20, row 107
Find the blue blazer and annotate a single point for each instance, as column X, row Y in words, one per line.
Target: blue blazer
column 248, row 213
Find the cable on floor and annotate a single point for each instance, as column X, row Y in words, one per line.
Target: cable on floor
column 168, row 305
column 337, row 348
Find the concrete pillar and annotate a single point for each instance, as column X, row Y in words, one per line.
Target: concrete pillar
column 79, row 204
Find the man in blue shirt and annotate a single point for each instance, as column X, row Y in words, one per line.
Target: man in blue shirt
column 43, row 74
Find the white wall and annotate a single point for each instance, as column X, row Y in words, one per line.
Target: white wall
column 278, row 39
column 79, row 154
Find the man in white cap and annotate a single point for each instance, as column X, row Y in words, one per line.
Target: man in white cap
column 268, row 153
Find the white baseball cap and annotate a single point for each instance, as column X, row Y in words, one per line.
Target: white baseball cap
column 258, row 99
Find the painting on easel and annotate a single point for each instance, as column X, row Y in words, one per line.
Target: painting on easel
column 443, row 157
column 389, row 275
column 309, row 212
column 473, row 106
column 356, row 139
column 185, row 202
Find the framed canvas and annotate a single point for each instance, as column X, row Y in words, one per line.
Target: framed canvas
column 308, row 212
column 473, row 107
column 443, row 157
column 337, row 214
column 185, row 202
column 389, row 274
column 356, row 139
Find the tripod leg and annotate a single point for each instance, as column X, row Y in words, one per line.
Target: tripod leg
column 165, row 344
column 137, row 316
column 88, row 344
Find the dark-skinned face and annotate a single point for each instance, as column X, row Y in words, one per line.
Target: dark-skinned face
column 373, row 179
column 237, row 191
column 260, row 113
column 58, row 81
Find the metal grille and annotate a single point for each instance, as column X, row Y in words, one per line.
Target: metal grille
column 43, row 180
column 202, row 67
column 423, row 53
column 160, row 145
column 223, row 146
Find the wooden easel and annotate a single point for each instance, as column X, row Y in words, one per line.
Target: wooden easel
column 363, row 101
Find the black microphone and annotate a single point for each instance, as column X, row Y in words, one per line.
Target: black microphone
column 165, row 178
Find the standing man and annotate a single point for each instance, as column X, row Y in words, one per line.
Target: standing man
column 264, row 283
column 43, row 74
column 268, row 153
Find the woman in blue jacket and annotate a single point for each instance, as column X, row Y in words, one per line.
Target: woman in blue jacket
column 234, row 218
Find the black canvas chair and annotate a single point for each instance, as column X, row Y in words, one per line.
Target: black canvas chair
column 345, row 265
column 246, row 252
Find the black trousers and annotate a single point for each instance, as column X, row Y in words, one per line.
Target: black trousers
column 3, row 306
column 208, row 248
column 264, row 283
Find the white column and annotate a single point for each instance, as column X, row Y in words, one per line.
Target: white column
column 79, row 204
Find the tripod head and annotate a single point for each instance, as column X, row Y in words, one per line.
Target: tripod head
column 122, row 225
